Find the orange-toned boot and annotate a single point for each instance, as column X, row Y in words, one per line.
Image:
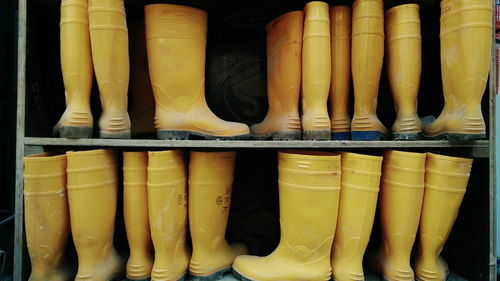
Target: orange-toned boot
column 135, row 210
column 46, row 216
column 178, row 75
column 210, row 185
column 366, row 63
column 340, row 21
column 77, row 71
column 167, row 200
column 316, row 72
column 284, row 46
column 109, row 41
column 404, row 65
column 92, row 195
column 446, row 180
column 466, row 29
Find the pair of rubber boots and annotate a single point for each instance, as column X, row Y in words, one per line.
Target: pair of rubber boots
column 77, row 189
column 465, row 54
column 419, row 191
column 327, row 209
column 94, row 37
column 157, row 206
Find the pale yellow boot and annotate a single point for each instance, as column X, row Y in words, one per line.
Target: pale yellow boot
column 210, row 185
column 77, row 71
column 284, row 46
column 404, row 65
column 340, row 21
column 446, row 180
column 316, row 72
column 167, row 195
column 466, row 28
column 109, row 40
column 92, row 195
column 309, row 184
column 366, row 63
column 401, row 195
column 358, row 201
column 142, row 102
column 135, row 209
column 178, row 75
column 46, row 216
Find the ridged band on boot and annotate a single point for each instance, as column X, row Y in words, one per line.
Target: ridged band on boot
column 366, row 64
column 284, row 46
column 46, row 215
column 404, row 66
column 309, row 183
column 316, row 72
column 109, row 40
column 178, row 76
column 446, row 180
column 401, row 196
column 77, row 71
column 466, row 29
column 340, row 21
column 135, row 205
column 358, row 201
column 167, row 201
column 210, row 186
column 92, row 195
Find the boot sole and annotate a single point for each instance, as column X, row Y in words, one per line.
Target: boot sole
column 241, row 277
column 185, row 135
column 341, row 136
column 368, row 136
column 450, row 277
column 410, row 136
column 317, row 135
column 124, row 135
column 142, row 279
column 277, row 136
column 458, row 137
column 73, row 132
column 212, row 277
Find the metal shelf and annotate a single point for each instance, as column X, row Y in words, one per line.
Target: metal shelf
column 34, row 141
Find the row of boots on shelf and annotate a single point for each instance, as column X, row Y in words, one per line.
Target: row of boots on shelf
column 311, row 56
column 327, row 209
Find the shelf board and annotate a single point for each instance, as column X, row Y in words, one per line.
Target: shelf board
column 34, row 141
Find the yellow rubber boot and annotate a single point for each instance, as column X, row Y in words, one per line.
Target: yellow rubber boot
column 46, row 216
column 178, row 76
column 309, row 185
column 167, row 193
column 77, row 71
column 284, row 47
column 358, row 201
column 401, row 195
column 109, row 40
column 92, row 195
column 316, row 72
column 366, row 63
column 404, row 65
column 466, row 29
column 446, row 180
column 340, row 21
column 142, row 102
column 210, row 185
column 135, row 209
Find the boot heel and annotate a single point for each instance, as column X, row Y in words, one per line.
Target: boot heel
column 465, row 137
column 106, row 135
column 172, row 135
column 74, row 132
column 368, row 136
column 410, row 136
column 341, row 136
